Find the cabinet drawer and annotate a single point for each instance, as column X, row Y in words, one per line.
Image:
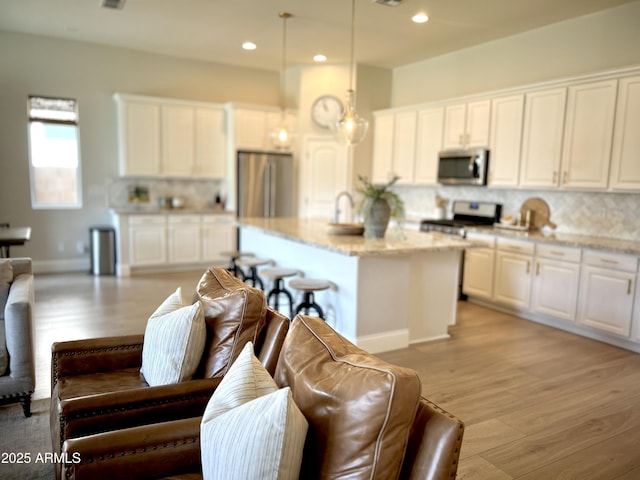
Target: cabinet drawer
column 626, row 263
column 516, row 246
column 487, row 241
column 147, row 220
column 566, row 254
column 217, row 219
column 184, row 219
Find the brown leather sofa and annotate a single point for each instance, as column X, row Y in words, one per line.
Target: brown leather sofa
column 330, row 396
column 96, row 384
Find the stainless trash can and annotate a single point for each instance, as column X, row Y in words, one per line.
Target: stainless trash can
column 103, row 250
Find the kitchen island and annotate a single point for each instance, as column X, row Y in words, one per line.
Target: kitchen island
column 387, row 292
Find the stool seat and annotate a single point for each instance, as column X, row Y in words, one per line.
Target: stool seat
column 234, row 255
column 308, row 286
column 253, row 263
column 276, row 273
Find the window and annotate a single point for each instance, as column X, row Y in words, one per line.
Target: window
column 54, row 153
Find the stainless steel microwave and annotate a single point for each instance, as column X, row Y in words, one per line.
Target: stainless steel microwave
column 463, row 167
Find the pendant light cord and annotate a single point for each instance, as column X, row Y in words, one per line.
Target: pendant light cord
column 353, row 23
column 283, row 81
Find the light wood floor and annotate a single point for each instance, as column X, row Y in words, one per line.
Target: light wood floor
column 538, row 403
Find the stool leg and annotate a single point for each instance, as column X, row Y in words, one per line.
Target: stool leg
column 308, row 303
column 276, row 291
column 255, row 279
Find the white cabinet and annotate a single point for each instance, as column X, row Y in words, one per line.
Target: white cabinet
column 428, row 144
column 588, row 135
column 542, row 138
column 625, row 163
column 139, row 131
column 252, row 127
column 147, row 240
column 506, row 140
column 218, row 235
column 512, row 282
column 184, row 237
column 607, row 291
column 394, row 147
column 635, row 322
column 178, row 140
column 477, row 277
column 556, row 281
column 467, row 125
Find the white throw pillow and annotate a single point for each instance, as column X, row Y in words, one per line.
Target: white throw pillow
column 250, row 429
column 173, row 341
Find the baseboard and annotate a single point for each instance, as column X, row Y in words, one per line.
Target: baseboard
column 384, row 342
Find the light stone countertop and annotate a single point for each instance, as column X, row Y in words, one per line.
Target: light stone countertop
column 567, row 239
column 395, row 242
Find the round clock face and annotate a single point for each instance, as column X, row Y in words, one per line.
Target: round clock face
column 327, row 110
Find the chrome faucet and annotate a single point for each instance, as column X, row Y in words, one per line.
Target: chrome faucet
column 336, row 208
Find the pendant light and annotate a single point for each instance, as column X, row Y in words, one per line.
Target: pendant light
column 282, row 136
column 351, row 128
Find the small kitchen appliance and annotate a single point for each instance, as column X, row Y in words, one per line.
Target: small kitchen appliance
column 463, row 167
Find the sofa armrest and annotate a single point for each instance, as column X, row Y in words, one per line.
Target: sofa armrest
column 434, row 444
column 18, row 321
column 147, row 452
column 92, row 414
column 80, row 357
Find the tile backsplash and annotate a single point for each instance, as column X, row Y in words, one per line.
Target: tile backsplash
column 197, row 194
column 587, row 213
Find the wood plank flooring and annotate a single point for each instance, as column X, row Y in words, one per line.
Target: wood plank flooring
column 538, row 403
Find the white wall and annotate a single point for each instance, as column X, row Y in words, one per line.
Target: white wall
column 92, row 74
column 587, row 44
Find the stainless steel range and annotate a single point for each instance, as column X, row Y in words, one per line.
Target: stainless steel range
column 465, row 214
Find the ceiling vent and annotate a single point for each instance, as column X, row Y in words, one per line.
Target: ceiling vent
column 388, row 3
column 112, row 4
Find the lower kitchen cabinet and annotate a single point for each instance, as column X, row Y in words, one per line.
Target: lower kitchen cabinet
column 607, row 292
column 218, row 235
column 147, row 240
column 477, row 278
column 556, row 281
column 184, row 238
column 512, row 282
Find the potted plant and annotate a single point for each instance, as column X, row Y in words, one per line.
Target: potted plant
column 378, row 205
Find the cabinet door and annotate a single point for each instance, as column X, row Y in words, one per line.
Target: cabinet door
column 542, row 138
column 404, row 146
column 454, row 126
column 428, row 144
column 147, row 240
column 477, row 123
column 184, row 238
column 218, row 235
column 477, row 279
column 506, row 140
column 606, row 300
column 555, row 288
column 140, row 139
column 178, row 137
column 512, row 279
column 588, row 135
column 211, row 143
column 383, row 148
column 625, row 166
column 250, row 129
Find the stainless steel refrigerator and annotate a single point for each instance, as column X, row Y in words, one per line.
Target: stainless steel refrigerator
column 265, row 184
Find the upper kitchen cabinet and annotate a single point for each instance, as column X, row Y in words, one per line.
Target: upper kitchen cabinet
column 467, row 125
column 170, row 138
column 428, row 144
column 588, row 135
column 252, row 126
column 625, row 163
column 139, row 131
column 394, row 146
column 506, row 140
column 542, row 137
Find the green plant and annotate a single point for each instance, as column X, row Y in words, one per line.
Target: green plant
column 371, row 193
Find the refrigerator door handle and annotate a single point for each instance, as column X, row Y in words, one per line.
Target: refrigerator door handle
column 272, row 188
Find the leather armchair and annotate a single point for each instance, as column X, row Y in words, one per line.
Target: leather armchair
column 96, row 384
column 18, row 381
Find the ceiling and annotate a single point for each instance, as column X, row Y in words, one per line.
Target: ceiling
column 213, row 30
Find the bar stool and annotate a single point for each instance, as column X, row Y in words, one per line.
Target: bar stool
column 277, row 275
column 308, row 286
column 253, row 263
column 233, row 256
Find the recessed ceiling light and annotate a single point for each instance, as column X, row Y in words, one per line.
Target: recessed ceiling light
column 249, row 46
column 420, row 18
column 320, row 58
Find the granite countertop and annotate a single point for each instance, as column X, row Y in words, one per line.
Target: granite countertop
column 396, row 241
column 567, row 239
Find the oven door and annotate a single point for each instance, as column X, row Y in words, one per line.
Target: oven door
column 463, row 167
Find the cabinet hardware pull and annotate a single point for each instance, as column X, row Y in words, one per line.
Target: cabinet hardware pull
column 555, row 177
column 565, row 177
column 537, row 269
column 528, row 266
column 629, row 287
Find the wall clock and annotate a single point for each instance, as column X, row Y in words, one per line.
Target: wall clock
column 326, row 110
